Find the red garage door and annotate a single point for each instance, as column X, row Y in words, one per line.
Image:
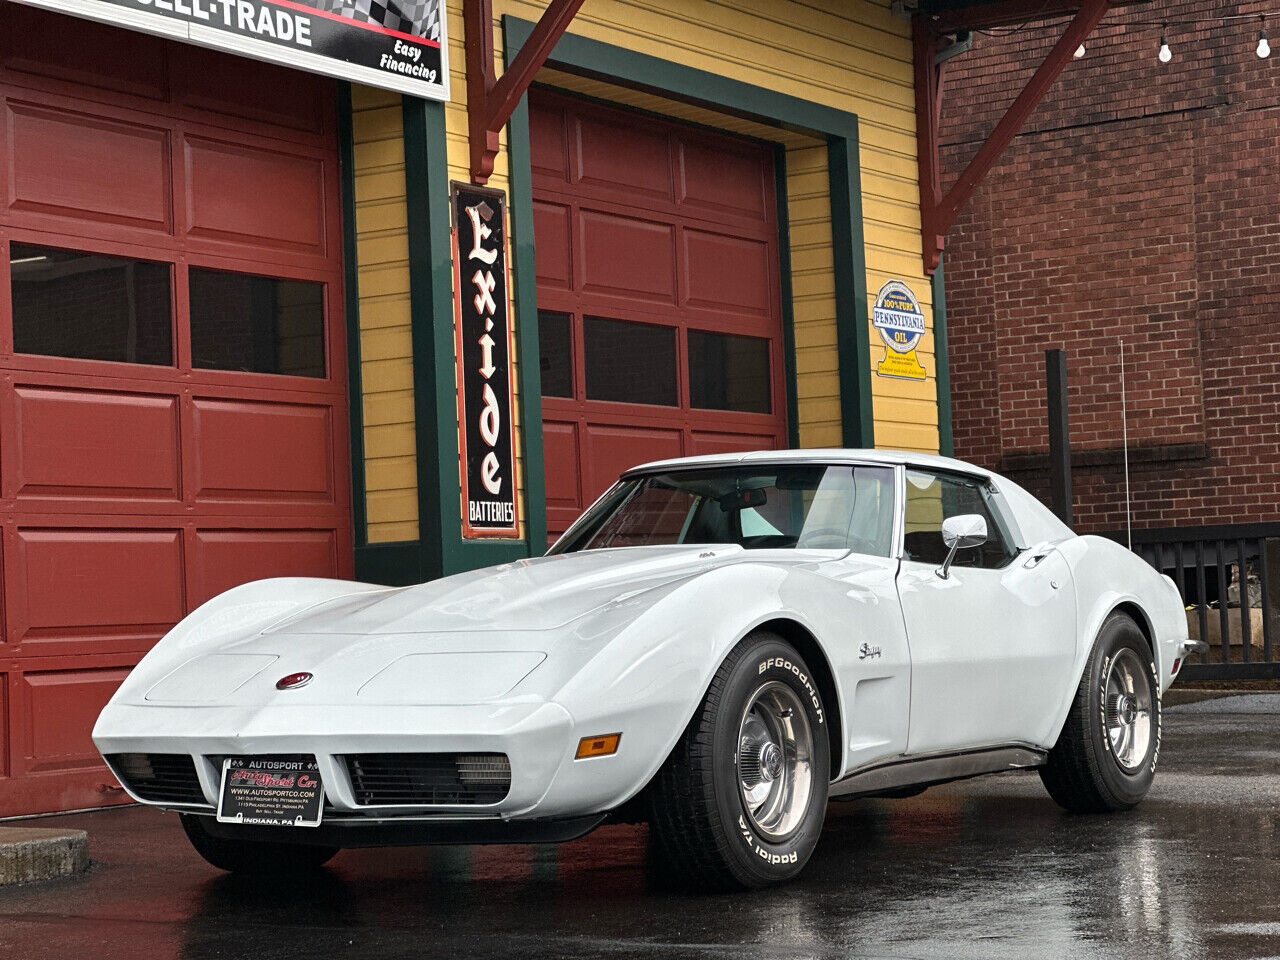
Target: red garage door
column 658, row 294
column 172, row 392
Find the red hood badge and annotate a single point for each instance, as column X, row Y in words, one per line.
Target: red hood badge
column 293, row 681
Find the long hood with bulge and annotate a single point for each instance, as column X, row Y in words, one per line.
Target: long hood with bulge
column 535, row 594
column 472, row 638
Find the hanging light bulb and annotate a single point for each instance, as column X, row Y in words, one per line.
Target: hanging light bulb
column 1264, row 48
column 1165, row 54
column 1079, row 52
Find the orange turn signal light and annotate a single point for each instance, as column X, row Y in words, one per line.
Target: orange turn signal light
column 601, row 746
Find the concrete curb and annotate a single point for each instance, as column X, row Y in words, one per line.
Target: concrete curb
column 1180, row 696
column 28, row 854
column 1257, row 704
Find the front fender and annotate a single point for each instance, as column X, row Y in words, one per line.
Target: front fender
column 651, row 677
column 234, row 615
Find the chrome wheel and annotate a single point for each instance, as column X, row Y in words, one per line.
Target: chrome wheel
column 1127, row 709
column 775, row 760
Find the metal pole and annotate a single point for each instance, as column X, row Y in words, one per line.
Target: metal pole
column 1055, row 371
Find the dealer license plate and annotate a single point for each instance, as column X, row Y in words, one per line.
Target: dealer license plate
column 271, row 791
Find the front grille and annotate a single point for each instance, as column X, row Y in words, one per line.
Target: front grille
column 391, row 779
column 160, row 777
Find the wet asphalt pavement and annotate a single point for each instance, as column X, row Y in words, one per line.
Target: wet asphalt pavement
column 987, row 868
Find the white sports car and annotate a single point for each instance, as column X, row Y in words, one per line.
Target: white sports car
column 717, row 646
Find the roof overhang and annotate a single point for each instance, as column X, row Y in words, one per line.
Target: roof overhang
column 947, row 16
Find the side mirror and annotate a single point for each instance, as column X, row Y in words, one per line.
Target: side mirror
column 961, row 533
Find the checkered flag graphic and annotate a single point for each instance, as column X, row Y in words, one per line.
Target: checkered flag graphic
column 421, row 18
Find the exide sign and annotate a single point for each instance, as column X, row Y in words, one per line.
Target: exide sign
column 484, row 362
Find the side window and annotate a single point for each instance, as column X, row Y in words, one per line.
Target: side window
column 851, row 509
column 871, row 526
column 932, row 498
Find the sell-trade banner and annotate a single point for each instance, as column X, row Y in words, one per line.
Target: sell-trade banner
column 482, row 320
column 395, row 44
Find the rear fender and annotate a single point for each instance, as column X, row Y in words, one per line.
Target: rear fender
column 1107, row 577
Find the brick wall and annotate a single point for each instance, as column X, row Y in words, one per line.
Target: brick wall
column 1141, row 205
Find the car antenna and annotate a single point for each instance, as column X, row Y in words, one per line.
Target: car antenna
column 1124, row 429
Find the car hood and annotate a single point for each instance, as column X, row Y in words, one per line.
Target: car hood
column 538, row 594
column 472, row 638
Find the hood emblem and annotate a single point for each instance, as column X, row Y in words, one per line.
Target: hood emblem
column 293, row 681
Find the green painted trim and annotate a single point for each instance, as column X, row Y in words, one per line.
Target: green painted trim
column 604, row 61
column 351, row 318
column 528, row 354
column 395, row 564
column 426, row 179
column 788, row 307
column 942, row 359
column 435, row 392
column 853, row 340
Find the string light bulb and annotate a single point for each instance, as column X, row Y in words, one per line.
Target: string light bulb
column 1165, row 54
column 1264, row 48
column 1079, row 52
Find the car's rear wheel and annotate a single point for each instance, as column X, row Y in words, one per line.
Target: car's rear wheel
column 741, row 800
column 258, row 857
column 1105, row 758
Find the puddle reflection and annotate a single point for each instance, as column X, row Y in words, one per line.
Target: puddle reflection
column 940, row 875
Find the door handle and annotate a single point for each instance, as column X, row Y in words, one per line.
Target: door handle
column 1034, row 560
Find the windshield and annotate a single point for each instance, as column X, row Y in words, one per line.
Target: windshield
column 756, row 506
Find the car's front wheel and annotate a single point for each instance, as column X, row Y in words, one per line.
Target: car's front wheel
column 741, row 800
column 259, row 857
column 1105, row 758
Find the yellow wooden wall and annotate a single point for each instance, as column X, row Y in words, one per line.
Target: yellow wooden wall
column 852, row 55
column 813, row 295
column 386, row 341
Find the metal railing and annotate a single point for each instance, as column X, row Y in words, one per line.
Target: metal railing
column 1224, row 574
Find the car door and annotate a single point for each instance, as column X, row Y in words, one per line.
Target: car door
column 868, row 643
column 992, row 642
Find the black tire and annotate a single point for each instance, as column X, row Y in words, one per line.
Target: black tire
column 701, row 829
column 1084, row 773
column 256, row 857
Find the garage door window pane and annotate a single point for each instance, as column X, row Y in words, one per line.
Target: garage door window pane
column 556, row 348
column 256, row 324
column 630, row 362
column 89, row 306
column 729, row 372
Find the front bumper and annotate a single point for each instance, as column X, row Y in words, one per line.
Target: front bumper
column 413, row 831
column 537, row 738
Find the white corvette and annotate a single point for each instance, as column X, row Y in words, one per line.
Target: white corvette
column 716, row 647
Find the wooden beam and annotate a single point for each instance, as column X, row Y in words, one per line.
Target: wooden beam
column 938, row 211
column 491, row 101
column 928, row 83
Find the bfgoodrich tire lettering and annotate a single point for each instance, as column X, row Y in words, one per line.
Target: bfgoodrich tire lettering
column 254, row 856
column 720, row 812
column 1106, row 756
